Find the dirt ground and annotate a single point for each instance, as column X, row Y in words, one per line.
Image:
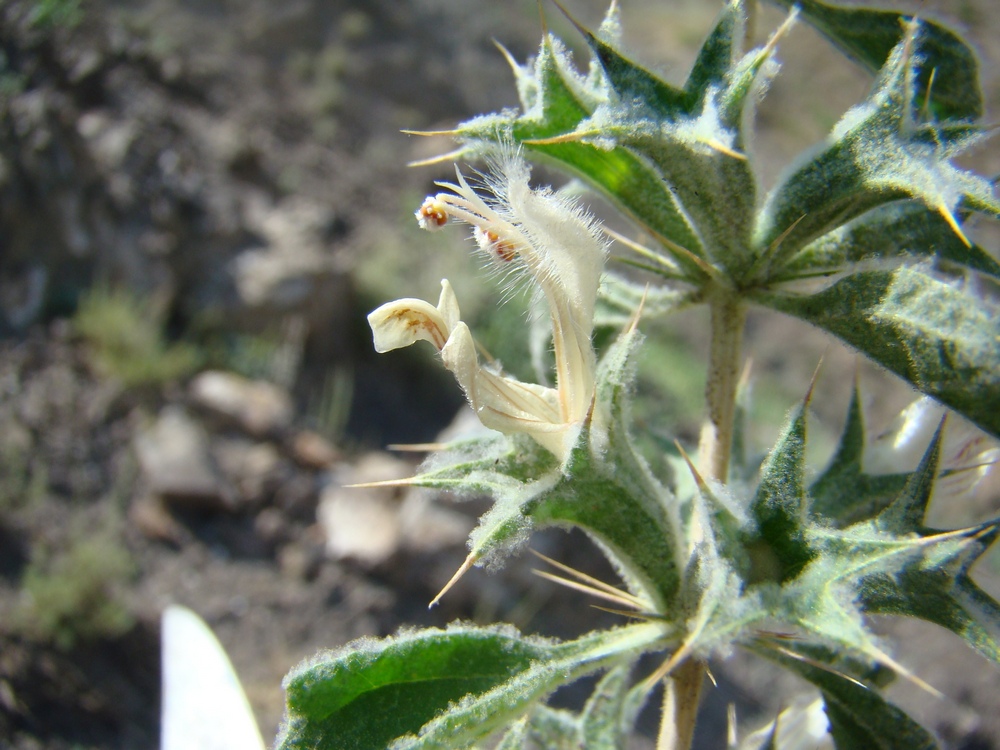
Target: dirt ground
column 231, row 106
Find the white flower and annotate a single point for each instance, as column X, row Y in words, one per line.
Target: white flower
column 561, row 249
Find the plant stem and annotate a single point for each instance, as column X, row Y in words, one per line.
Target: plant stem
column 728, row 319
column 681, row 696
column 725, row 359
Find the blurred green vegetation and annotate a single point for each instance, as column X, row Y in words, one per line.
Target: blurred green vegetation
column 54, row 13
column 75, row 592
column 23, row 481
column 126, row 339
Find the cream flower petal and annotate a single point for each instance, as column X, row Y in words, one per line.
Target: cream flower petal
column 405, row 321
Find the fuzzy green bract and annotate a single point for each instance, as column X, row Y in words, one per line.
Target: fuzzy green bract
column 865, row 236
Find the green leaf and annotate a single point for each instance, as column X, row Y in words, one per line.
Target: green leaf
column 555, row 101
column 780, row 507
column 905, row 231
column 552, row 728
column 939, row 336
column 844, row 492
column 719, row 52
column 878, row 153
column 869, row 36
column 632, row 81
column 943, row 594
column 859, row 716
column 371, row 692
column 438, row 688
column 905, row 514
column 605, row 722
column 619, row 300
column 478, row 716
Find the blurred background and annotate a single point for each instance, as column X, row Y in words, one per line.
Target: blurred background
column 200, row 200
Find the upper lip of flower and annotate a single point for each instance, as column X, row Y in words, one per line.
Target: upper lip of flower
column 560, row 247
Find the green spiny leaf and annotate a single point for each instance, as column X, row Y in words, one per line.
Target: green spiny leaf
column 939, row 336
column 631, row 81
column 906, row 513
column 478, row 715
column 604, row 723
column 438, row 688
column 844, row 492
column 901, row 232
column 877, row 154
column 555, row 101
column 516, row 737
column 553, row 728
column 780, row 507
column 859, row 717
column 870, row 35
column 718, row 53
column 619, row 300
column 943, row 594
column 341, row 700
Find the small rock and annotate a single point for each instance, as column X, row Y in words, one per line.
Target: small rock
column 359, row 525
column 253, row 468
column 272, row 528
column 313, row 451
column 176, row 465
column 297, row 497
column 300, row 560
column 259, row 407
column 429, row 527
column 154, row 521
column 363, row 523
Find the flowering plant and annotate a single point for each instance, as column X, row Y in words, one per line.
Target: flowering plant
column 864, row 237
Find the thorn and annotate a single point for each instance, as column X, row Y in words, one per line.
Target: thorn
column 667, row 667
column 815, row 377
column 925, row 111
column 416, row 447
column 722, row 148
column 579, row 27
column 642, row 250
column 704, row 266
column 409, row 482
column 634, row 323
column 745, row 375
column 885, row 660
column 773, row 248
column 514, row 66
column 950, row 218
column 710, row 676
column 564, row 138
column 812, row 662
column 462, row 570
column 636, row 602
column 698, row 478
column 785, row 27
column 450, row 156
column 431, row 133
column 644, row 616
column 784, row 235
column 583, row 588
column 544, row 21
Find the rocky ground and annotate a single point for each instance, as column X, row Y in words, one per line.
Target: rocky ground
column 237, row 166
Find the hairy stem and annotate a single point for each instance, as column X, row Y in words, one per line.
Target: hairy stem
column 725, row 360
column 728, row 318
column 681, row 695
